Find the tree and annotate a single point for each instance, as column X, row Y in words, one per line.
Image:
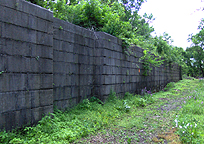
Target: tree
column 194, row 58
column 196, row 52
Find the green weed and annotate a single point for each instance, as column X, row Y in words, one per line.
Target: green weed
column 121, row 117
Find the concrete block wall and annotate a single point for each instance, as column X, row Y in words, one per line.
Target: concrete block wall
column 47, row 62
column 74, row 65
column 120, row 73
column 26, row 57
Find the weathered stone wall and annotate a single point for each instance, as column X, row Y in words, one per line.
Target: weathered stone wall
column 49, row 62
column 26, row 57
column 73, row 61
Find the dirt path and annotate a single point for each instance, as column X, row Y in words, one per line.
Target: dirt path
column 156, row 126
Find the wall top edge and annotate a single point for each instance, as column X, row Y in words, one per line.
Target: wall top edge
column 29, row 8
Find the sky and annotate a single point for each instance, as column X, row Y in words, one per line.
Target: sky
column 178, row 18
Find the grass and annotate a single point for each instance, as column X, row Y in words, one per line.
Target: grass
column 171, row 116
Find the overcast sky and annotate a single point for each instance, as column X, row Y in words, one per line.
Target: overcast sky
column 178, row 18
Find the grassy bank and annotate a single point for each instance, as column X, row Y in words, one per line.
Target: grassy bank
column 171, row 116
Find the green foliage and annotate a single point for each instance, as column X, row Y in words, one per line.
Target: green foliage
column 149, row 61
column 194, row 59
column 189, row 121
column 194, row 56
column 112, row 96
column 65, row 127
column 169, row 86
column 95, row 99
column 131, row 114
column 188, row 129
column 84, row 105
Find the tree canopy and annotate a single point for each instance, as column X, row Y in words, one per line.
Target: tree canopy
column 194, row 55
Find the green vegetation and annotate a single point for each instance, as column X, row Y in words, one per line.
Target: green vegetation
column 121, row 19
column 194, row 55
column 173, row 116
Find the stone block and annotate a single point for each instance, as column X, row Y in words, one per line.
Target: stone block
column 62, row 93
column 108, row 79
column 65, row 25
column 59, row 80
column 47, row 109
column 44, row 51
column 74, row 68
column 10, row 3
column 62, row 105
column 68, row 57
column 46, row 65
column 17, row 82
column 35, row 114
column 2, row 121
column 79, row 39
column 32, row 22
column 75, row 80
column 73, row 102
column 58, row 67
column 35, row 98
column 33, row 64
column 46, row 80
column 58, row 93
column 10, row 123
column 98, row 60
column 107, row 53
column 8, row 102
column 15, row 48
column 42, row 25
column 57, row 44
column 31, row 36
column 75, row 58
column 3, row 62
column 74, row 92
column 33, row 81
column 44, row 39
column 97, row 70
column 23, row 100
column 4, row 82
column 118, row 79
column 13, row 32
column 86, row 69
column 15, row 17
column 16, row 64
column 68, row 80
column 30, row 8
column 2, row 44
column 83, row 80
column 46, row 97
column 63, row 35
column 83, row 59
column 89, row 42
column 98, row 52
column 67, row 46
column 108, row 37
column 22, row 117
column 2, row 11
column 67, row 94
column 106, row 89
